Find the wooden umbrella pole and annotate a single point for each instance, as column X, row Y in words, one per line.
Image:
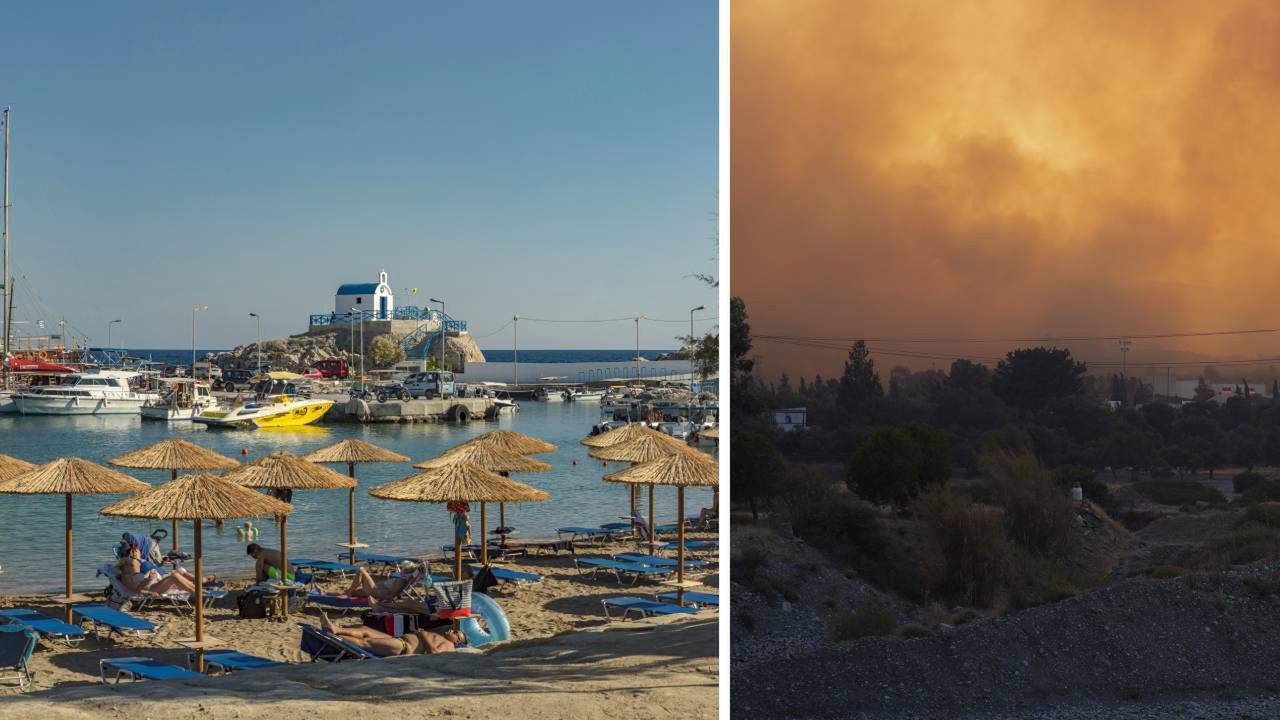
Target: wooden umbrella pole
column 351, row 512
column 652, row 531
column 502, row 523
column 457, row 566
column 199, row 601
column 284, row 560
column 484, row 538
column 173, row 477
column 680, row 549
column 631, row 489
column 68, row 558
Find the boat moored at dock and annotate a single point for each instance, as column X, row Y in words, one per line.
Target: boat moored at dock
column 182, row 399
column 104, row 392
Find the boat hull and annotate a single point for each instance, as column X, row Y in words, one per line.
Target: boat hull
column 279, row 415
column 77, row 406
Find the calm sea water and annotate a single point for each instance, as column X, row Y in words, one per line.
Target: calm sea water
column 31, row 527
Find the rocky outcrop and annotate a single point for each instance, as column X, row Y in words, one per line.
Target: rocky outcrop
column 458, row 350
column 301, row 352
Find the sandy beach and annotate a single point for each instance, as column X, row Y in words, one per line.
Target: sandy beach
column 563, row 602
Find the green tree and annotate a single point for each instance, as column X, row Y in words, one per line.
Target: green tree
column 758, row 470
column 1204, row 393
column 385, row 352
column 739, row 336
column 935, row 455
column 886, row 468
column 1029, row 378
column 859, row 384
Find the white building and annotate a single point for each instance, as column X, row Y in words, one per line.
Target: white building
column 366, row 297
column 788, row 419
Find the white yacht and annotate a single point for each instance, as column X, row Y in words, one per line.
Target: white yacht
column 105, row 392
column 182, row 399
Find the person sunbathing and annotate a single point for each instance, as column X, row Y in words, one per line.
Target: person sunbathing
column 706, row 515
column 363, row 585
column 418, row 642
column 136, row 580
column 146, row 565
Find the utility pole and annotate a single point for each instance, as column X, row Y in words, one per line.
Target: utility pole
column 195, row 310
column 515, row 351
column 258, row 318
column 637, row 351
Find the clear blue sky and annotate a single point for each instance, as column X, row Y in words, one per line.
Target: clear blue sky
column 555, row 159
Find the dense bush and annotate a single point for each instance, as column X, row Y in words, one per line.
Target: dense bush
column 970, row 540
column 1094, row 489
column 1246, row 481
column 1177, row 492
column 863, row 622
column 1266, row 490
column 1267, row 514
column 895, row 464
column 1039, row 514
column 1249, row 545
column 1165, row 572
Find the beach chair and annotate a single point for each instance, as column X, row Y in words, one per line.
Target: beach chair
column 692, row 545
column 473, row 551
column 17, row 643
column 618, row 567
column 579, row 534
column 697, row 598
column 414, row 589
column 324, row 566
column 667, row 528
column 553, row 545
column 644, row 608
column 225, row 661
column 504, row 575
column 179, row 600
column 43, row 625
column 141, row 668
column 378, row 559
column 655, row 561
column 326, row 646
column 115, row 621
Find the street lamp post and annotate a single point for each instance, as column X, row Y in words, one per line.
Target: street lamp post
column 441, row 330
column 691, row 342
column 259, row 318
column 113, row 322
column 194, row 310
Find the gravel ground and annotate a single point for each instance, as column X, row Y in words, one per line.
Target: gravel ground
column 1196, row 647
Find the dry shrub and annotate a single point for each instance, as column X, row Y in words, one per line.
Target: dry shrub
column 1165, row 572
column 863, row 622
column 1039, row 514
column 970, row 542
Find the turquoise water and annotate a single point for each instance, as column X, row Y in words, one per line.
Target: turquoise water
column 31, row 527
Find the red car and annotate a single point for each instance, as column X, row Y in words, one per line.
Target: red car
column 332, row 368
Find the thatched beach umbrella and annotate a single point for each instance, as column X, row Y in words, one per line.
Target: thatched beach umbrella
column 641, row 446
column 71, row 476
column 174, row 455
column 11, row 467
column 713, row 433
column 197, row 498
column 282, row 471
column 457, row 482
column 517, row 443
column 493, row 459
column 682, row 470
column 353, row 452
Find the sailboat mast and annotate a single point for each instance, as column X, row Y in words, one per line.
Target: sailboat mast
column 4, row 271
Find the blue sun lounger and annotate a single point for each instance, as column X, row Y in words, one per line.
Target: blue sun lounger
column 114, row 620
column 326, row 646
column 17, row 643
column 51, row 628
column 378, row 559
column 697, row 598
column 655, row 561
column 584, row 533
column 692, row 545
column 228, row 660
column 324, row 566
column 619, row 527
column 618, row 567
column 141, row 668
column 503, row 575
column 643, row 607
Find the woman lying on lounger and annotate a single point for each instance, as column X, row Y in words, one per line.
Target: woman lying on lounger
column 418, row 642
column 365, row 586
column 136, row 580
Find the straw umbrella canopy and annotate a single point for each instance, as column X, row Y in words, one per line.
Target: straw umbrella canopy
column 494, row 459
column 174, row 455
column 197, row 498
column 353, row 452
column 282, row 471
column 517, row 443
column 71, row 476
column 641, row 445
column 713, row 433
column 688, row 469
column 11, row 467
column 458, row 482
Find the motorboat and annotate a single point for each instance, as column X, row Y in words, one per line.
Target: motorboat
column 583, row 395
column 182, row 399
column 102, row 392
column 549, row 394
column 276, row 404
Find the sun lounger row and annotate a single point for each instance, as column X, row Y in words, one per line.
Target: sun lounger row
column 504, row 575
column 643, row 608
column 619, row 567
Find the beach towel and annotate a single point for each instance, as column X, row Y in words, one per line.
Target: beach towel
column 454, row 599
column 461, row 522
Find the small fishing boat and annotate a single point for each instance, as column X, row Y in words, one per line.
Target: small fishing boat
column 182, row 399
column 583, row 394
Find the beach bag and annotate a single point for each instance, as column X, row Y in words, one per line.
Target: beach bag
column 253, row 604
column 453, row 599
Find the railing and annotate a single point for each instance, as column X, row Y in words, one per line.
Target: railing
column 411, row 312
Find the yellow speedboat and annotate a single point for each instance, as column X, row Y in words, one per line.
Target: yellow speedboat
column 278, row 406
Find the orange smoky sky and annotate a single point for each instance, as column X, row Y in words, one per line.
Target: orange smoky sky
column 1006, row 168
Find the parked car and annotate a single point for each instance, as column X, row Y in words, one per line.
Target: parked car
column 332, row 368
column 232, row 380
column 432, row 384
